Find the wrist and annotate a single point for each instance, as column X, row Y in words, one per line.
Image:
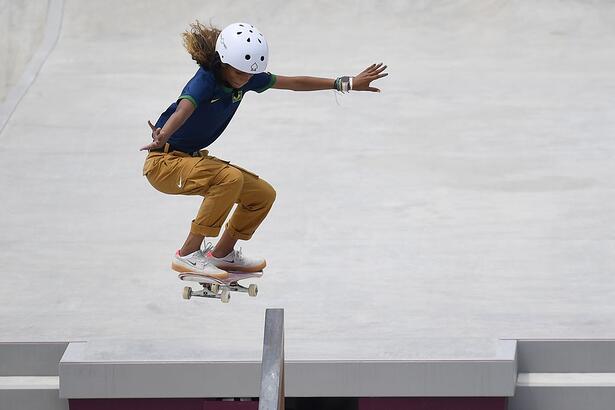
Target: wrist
column 343, row 84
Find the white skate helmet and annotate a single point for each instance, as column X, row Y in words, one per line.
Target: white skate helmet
column 244, row 47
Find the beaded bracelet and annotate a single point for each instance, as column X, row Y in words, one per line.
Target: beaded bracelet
column 343, row 84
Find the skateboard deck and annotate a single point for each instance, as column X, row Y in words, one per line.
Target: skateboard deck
column 219, row 288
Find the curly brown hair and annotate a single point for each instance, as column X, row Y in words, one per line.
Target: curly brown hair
column 200, row 41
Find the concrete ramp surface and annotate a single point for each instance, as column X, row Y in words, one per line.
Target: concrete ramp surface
column 471, row 199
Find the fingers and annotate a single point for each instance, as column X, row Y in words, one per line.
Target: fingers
column 371, row 73
column 374, row 72
column 376, row 68
column 377, row 72
column 381, row 69
column 152, row 145
column 155, row 134
column 371, row 68
column 155, row 131
column 368, row 79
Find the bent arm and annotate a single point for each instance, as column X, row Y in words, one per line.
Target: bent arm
column 184, row 110
column 303, row 83
column 160, row 136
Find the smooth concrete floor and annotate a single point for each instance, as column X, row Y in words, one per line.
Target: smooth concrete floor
column 472, row 198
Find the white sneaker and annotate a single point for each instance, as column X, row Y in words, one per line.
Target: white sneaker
column 235, row 261
column 196, row 262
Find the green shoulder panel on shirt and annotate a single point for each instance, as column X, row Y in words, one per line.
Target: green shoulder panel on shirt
column 189, row 98
column 269, row 85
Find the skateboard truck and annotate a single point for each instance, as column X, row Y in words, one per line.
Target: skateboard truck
column 217, row 288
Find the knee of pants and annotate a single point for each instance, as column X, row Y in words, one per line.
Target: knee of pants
column 266, row 195
column 231, row 177
column 270, row 193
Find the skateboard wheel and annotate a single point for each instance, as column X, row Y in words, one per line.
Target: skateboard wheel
column 226, row 296
column 253, row 290
column 187, row 293
column 214, row 287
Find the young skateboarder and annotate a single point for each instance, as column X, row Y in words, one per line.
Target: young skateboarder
column 231, row 62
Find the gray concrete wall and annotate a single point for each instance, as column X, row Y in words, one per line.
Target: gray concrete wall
column 565, row 375
column 197, row 368
column 30, row 359
column 29, row 376
column 22, row 24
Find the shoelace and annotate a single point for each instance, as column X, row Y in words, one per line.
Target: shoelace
column 208, row 247
column 238, row 256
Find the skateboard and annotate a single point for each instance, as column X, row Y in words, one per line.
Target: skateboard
column 219, row 288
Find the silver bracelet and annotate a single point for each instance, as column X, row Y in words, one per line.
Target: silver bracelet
column 345, row 84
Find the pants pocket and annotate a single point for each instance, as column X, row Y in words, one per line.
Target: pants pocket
column 234, row 166
column 244, row 170
column 170, row 174
column 150, row 162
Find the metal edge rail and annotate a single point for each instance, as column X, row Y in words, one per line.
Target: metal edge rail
column 272, row 367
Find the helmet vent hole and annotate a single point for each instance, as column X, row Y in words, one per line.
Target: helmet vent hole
column 239, row 32
column 248, row 40
column 251, row 31
column 262, row 58
column 248, row 56
column 259, row 40
column 241, row 25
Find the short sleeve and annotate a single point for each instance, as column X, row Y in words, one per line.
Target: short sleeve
column 199, row 89
column 261, row 82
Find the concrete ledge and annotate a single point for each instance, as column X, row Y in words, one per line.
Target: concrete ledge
column 400, row 379
column 566, row 356
column 190, row 368
column 30, row 359
column 41, row 393
column 563, row 398
column 30, row 383
column 566, row 380
column 158, row 369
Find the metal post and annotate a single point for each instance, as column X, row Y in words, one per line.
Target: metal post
column 272, row 366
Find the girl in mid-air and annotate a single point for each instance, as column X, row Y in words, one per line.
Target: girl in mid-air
column 231, row 62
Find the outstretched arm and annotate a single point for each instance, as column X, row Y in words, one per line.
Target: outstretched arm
column 361, row 82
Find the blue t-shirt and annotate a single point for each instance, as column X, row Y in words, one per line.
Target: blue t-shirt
column 215, row 105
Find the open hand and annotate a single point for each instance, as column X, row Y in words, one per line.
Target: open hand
column 362, row 81
column 157, row 137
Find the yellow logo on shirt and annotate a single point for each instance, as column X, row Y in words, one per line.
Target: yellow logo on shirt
column 237, row 95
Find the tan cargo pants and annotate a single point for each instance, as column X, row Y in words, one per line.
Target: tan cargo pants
column 221, row 184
